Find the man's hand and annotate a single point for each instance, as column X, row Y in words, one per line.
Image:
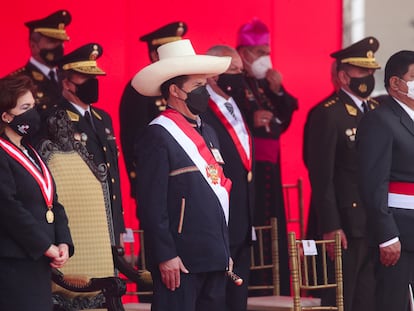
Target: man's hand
column 275, row 80
column 262, row 118
column 170, row 272
column 331, row 236
column 390, row 254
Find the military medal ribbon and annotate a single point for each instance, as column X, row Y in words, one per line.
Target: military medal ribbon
column 43, row 179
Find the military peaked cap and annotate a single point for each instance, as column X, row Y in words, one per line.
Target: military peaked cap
column 360, row 54
column 83, row 60
column 52, row 26
column 168, row 33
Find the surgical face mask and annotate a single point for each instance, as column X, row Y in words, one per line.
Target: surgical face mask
column 88, row 91
column 51, row 56
column 363, row 86
column 260, row 66
column 410, row 86
column 197, row 100
column 232, row 84
column 27, row 123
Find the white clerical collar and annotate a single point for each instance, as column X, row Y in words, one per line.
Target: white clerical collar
column 42, row 67
column 407, row 109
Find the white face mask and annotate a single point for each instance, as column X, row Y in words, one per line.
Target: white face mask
column 410, row 85
column 260, row 66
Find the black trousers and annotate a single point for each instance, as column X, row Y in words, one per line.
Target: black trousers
column 392, row 283
column 236, row 296
column 358, row 278
column 197, row 292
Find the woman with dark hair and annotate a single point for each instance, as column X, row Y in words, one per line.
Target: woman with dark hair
column 34, row 232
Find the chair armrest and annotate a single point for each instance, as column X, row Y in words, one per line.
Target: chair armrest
column 141, row 277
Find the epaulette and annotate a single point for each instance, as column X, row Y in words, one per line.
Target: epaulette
column 72, row 116
column 96, row 114
column 17, row 71
column 331, row 101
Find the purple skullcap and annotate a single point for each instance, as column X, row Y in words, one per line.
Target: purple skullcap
column 253, row 33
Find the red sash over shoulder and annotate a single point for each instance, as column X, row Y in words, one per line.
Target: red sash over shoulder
column 43, row 179
column 195, row 147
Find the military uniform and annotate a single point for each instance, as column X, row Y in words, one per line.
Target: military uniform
column 96, row 134
column 330, row 155
column 136, row 110
column 47, row 92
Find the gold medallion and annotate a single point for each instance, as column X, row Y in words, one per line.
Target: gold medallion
column 249, row 176
column 50, row 217
column 213, row 173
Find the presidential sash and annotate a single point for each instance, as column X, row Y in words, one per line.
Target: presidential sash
column 237, row 131
column 43, row 179
column 195, row 147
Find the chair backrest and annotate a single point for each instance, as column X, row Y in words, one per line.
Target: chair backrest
column 294, row 203
column 259, row 260
column 82, row 189
column 305, row 274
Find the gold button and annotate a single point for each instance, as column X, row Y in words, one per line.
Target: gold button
column 113, row 180
column 104, row 148
column 114, row 197
column 108, row 164
column 354, row 205
column 132, row 174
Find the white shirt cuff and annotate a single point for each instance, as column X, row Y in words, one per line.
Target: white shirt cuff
column 389, row 242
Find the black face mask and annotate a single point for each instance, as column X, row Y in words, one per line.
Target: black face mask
column 232, row 84
column 27, row 123
column 362, row 87
column 88, row 91
column 197, row 100
column 52, row 56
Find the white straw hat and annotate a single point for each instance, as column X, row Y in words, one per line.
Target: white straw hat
column 176, row 59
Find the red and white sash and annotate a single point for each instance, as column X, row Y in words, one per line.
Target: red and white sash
column 195, row 147
column 43, row 179
column 238, row 132
column 401, row 194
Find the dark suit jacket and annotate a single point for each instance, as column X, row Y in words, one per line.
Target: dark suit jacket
column 101, row 143
column 24, row 231
column 166, row 176
column 386, row 153
column 242, row 191
column 136, row 111
column 331, row 159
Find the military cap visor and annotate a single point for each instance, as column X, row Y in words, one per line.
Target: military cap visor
column 52, row 26
column 359, row 54
column 83, row 60
column 165, row 34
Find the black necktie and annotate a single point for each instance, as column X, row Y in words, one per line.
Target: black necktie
column 52, row 77
column 88, row 118
column 365, row 106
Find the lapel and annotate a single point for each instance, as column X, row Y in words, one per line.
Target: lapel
column 80, row 123
column 102, row 131
column 405, row 119
column 350, row 106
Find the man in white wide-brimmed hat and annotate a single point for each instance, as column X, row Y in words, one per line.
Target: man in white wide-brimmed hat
column 182, row 193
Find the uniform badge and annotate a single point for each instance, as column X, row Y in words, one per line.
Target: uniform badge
column 351, row 110
column 350, row 133
column 38, row 76
column 77, row 136
column 217, row 155
column 213, row 173
column 83, row 137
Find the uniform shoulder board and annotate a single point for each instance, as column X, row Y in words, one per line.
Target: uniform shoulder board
column 72, row 116
column 374, row 101
column 17, row 71
column 96, row 114
column 331, row 101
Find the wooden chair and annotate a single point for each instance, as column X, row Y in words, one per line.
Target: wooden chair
column 273, row 302
column 294, row 203
column 304, row 272
column 89, row 278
